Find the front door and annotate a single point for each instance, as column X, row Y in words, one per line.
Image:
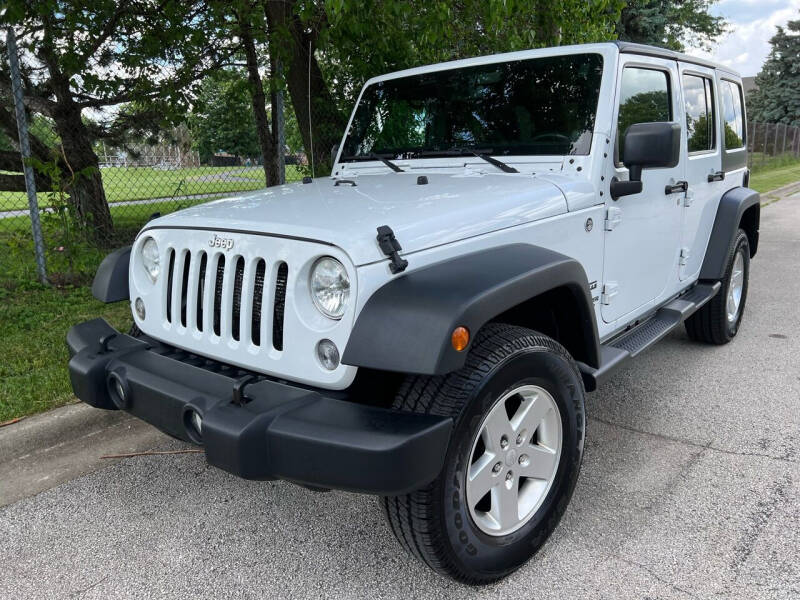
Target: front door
column 643, row 231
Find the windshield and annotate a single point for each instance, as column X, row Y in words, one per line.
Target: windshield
column 541, row 106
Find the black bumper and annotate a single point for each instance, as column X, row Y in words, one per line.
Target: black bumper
column 258, row 428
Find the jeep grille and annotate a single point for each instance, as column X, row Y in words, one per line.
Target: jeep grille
column 236, row 302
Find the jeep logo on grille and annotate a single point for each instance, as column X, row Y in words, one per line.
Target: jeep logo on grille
column 220, row 242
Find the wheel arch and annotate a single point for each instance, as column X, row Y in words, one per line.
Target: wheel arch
column 739, row 207
column 406, row 324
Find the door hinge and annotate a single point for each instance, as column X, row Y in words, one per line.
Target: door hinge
column 684, row 257
column 613, row 217
column 610, row 290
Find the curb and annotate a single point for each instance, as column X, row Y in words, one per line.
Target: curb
column 46, row 450
column 783, row 191
column 55, row 427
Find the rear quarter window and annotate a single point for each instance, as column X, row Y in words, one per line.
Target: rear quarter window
column 733, row 114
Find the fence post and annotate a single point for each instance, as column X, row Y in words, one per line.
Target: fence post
column 25, row 152
column 280, row 123
column 783, row 148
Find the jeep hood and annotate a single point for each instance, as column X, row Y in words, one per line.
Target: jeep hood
column 450, row 207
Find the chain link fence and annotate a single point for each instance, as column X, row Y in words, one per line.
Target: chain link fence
column 767, row 141
column 81, row 212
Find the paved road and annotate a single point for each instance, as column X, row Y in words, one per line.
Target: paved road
column 690, row 489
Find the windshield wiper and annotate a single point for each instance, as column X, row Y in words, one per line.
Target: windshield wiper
column 483, row 154
column 374, row 156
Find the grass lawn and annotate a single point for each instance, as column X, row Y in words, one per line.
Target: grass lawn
column 34, row 319
column 33, row 372
column 142, row 183
column 767, row 179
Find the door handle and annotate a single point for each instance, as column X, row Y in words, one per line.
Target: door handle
column 717, row 176
column 680, row 186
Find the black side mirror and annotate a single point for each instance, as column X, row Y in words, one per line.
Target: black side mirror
column 647, row 146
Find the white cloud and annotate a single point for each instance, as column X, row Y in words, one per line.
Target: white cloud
column 751, row 24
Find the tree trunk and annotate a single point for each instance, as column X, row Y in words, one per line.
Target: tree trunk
column 85, row 190
column 266, row 138
column 323, row 128
column 82, row 170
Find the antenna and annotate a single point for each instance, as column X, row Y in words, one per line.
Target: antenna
column 310, row 132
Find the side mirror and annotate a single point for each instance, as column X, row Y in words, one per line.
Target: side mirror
column 334, row 152
column 647, row 146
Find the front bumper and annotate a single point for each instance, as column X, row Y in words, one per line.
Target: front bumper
column 254, row 427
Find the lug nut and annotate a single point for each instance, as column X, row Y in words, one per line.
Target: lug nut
column 524, row 460
column 496, row 468
column 509, row 476
column 504, row 442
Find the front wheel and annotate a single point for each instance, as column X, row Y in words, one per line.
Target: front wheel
column 512, row 462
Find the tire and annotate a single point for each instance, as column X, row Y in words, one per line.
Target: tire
column 713, row 324
column 437, row 524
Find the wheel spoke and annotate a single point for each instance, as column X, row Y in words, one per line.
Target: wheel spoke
column 541, row 462
column 497, row 425
column 505, row 505
column 481, row 478
column 530, row 413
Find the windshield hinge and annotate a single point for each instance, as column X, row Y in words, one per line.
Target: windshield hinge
column 613, row 218
column 391, row 248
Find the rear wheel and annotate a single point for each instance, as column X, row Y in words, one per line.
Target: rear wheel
column 718, row 321
column 512, row 462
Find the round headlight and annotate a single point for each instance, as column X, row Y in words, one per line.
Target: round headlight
column 330, row 287
column 150, row 259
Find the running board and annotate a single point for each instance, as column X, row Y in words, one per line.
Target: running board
column 638, row 338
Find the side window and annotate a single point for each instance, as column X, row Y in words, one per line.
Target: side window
column 644, row 98
column 699, row 101
column 731, row 95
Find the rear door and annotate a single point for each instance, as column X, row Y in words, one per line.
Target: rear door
column 643, row 231
column 704, row 172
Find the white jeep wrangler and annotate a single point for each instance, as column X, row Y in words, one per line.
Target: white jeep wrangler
column 497, row 236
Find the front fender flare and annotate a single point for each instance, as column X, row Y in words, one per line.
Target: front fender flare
column 111, row 280
column 406, row 325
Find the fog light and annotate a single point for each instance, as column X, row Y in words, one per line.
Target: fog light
column 328, row 354
column 139, row 306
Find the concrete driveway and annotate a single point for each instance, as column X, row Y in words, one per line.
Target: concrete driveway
column 690, row 489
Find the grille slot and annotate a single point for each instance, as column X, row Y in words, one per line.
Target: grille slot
column 258, row 297
column 218, row 293
column 170, row 272
column 236, row 312
column 201, row 284
column 187, row 261
column 280, row 305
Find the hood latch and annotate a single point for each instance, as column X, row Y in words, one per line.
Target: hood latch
column 391, row 248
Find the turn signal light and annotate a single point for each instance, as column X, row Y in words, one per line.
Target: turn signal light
column 460, row 338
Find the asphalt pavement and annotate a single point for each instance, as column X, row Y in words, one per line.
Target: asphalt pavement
column 690, row 488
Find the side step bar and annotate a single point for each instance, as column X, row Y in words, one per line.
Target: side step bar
column 640, row 337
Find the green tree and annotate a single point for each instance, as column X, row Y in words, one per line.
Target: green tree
column 331, row 47
column 95, row 54
column 674, row 24
column 222, row 116
column 777, row 96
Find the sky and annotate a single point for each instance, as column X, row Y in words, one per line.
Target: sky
column 751, row 24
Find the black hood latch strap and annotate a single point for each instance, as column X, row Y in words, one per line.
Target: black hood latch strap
column 391, row 248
